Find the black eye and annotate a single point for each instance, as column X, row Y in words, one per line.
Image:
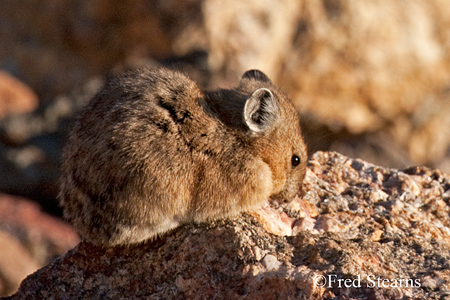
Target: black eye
column 295, row 160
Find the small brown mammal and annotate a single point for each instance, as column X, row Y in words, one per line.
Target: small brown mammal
column 152, row 151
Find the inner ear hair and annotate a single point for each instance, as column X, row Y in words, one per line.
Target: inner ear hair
column 261, row 110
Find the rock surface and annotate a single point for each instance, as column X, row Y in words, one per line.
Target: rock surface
column 358, row 231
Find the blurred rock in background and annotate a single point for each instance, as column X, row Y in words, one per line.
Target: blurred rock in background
column 29, row 238
column 354, row 68
column 15, row 96
column 371, row 79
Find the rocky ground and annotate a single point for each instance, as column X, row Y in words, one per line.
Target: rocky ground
column 358, row 231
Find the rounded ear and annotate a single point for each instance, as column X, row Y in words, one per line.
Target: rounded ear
column 261, row 110
column 256, row 75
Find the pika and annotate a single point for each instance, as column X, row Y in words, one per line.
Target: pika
column 152, row 151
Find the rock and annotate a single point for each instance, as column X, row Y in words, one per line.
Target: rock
column 335, row 59
column 370, row 232
column 244, row 34
column 55, row 46
column 346, row 71
column 15, row 96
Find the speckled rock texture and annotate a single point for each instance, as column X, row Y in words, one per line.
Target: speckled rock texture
column 358, row 231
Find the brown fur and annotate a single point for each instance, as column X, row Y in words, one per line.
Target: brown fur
column 152, row 151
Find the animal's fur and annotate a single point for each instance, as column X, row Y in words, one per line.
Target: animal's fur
column 152, row 151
